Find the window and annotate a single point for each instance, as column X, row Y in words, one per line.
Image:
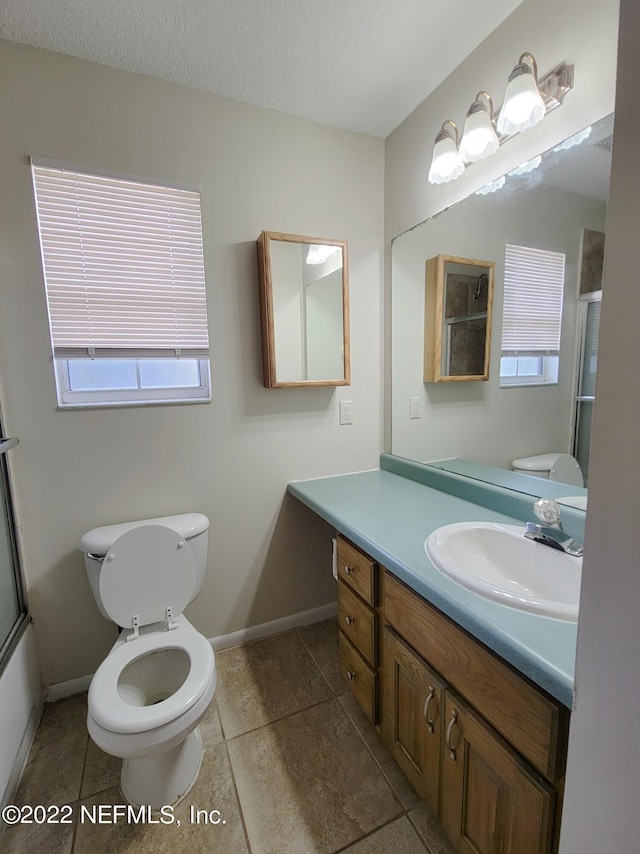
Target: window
column 124, row 276
column 532, row 316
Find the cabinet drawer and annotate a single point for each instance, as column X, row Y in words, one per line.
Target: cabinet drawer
column 526, row 717
column 362, row 680
column 358, row 622
column 358, row 571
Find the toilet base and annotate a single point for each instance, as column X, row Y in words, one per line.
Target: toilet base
column 163, row 779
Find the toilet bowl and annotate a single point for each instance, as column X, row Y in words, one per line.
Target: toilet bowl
column 554, row 466
column 148, row 696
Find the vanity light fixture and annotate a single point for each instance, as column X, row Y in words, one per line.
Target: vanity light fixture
column 493, row 187
column 526, row 101
column 446, row 163
column 523, row 105
column 576, row 139
column 528, row 166
column 479, row 138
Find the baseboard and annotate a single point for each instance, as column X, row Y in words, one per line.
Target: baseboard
column 60, row 690
column 275, row 627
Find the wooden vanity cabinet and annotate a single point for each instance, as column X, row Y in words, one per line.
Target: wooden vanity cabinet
column 413, row 714
column 358, row 622
column 491, row 801
column 482, row 745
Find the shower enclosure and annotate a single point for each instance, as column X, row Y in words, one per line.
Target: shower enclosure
column 13, row 611
column 586, row 391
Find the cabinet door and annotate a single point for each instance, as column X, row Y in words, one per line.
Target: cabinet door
column 412, row 716
column 492, row 802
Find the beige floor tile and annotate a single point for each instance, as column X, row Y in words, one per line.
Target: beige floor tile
column 38, row 838
column 308, row 784
column 321, row 639
column 210, row 727
column 265, row 681
column 398, row 837
column 101, row 771
column 53, row 772
column 430, row 831
column 213, row 791
column 399, row 783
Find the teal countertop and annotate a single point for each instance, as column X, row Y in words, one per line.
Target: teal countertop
column 389, row 516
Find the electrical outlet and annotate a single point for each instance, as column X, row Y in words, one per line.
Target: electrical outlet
column 415, row 407
column 346, row 412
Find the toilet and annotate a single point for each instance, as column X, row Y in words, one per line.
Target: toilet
column 561, row 467
column 150, row 693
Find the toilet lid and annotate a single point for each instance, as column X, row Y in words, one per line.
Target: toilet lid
column 147, row 570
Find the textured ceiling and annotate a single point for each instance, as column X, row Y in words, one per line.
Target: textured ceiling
column 357, row 64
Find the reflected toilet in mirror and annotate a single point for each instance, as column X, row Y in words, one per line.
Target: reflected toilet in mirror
column 304, row 308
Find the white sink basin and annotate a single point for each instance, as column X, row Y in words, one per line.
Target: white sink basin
column 497, row 561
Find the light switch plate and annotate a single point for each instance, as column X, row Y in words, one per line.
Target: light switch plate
column 415, row 407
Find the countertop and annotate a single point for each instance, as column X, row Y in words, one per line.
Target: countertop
column 389, row 516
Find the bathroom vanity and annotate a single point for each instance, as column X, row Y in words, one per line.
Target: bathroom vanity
column 472, row 698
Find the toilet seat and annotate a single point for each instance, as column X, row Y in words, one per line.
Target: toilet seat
column 107, row 707
column 147, row 575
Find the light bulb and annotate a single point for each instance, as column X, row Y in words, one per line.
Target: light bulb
column 446, row 164
column 523, row 106
column 479, row 139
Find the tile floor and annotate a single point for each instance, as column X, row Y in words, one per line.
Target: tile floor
column 292, row 766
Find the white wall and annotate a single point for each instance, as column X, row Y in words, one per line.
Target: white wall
column 230, row 459
column 481, row 421
column 603, row 773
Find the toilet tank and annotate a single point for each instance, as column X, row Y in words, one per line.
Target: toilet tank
column 555, row 466
column 194, row 527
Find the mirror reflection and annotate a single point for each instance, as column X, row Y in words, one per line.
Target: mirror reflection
column 540, row 224
column 304, row 306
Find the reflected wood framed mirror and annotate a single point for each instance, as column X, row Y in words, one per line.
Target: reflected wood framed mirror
column 458, row 303
column 304, row 309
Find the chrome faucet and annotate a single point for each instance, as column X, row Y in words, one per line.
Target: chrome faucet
column 551, row 532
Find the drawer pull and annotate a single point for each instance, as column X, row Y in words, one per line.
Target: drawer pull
column 452, row 723
column 348, row 570
column 350, row 675
column 349, row 620
column 427, row 703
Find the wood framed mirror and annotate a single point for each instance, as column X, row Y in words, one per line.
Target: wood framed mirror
column 304, row 309
column 459, row 297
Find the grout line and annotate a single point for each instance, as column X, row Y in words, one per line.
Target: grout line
column 238, row 801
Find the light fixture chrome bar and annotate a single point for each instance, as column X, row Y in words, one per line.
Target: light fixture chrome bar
column 552, row 87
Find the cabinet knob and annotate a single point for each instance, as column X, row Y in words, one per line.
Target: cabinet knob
column 425, row 711
column 452, row 723
column 349, row 621
column 348, row 570
column 350, row 675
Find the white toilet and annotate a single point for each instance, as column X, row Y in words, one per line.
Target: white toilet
column 149, row 694
column 561, row 467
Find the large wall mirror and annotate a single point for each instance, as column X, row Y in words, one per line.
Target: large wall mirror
column 304, row 304
column 555, row 203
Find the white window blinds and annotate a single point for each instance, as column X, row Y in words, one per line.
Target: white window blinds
column 123, row 265
column 533, row 293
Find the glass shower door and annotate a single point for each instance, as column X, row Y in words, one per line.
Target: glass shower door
column 13, row 612
column 587, row 380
